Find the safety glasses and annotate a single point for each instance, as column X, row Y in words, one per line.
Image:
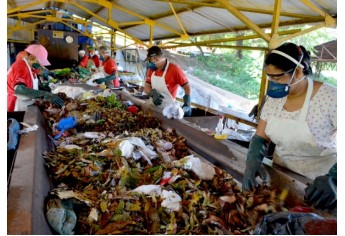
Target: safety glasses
column 276, row 77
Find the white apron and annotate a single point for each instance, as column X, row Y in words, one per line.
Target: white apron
column 159, row 84
column 22, row 102
column 296, row 148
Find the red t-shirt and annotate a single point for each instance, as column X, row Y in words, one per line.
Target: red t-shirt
column 17, row 74
column 83, row 62
column 97, row 61
column 110, row 66
column 173, row 78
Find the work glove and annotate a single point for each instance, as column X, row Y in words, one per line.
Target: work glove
column 186, row 106
column 53, row 98
column 99, row 81
column 45, row 72
column 157, row 98
column 105, row 79
column 32, row 93
column 256, row 152
column 323, row 192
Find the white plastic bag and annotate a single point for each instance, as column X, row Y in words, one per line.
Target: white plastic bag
column 173, row 110
column 171, row 200
column 203, row 170
column 150, row 189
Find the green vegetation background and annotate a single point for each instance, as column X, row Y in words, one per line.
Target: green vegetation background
column 240, row 72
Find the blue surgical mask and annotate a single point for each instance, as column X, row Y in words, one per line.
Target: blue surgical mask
column 152, row 66
column 101, row 58
column 276, row 90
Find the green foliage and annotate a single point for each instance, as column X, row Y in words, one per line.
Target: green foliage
column 112, row 102
column 226, row 71
column 243, row 76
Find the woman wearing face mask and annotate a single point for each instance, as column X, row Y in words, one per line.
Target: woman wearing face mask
column 300, row 117
column 163, row 79
column 22, row 82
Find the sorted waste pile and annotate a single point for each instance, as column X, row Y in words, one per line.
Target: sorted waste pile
column 119, row 172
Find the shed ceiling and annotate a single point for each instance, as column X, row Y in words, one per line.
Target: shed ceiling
column 147, row 20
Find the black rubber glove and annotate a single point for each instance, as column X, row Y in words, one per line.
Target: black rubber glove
column 323, row 192
column 99, row 81
column 157, row 98
column 186, row 106
column 256, row 152
column 53, row 98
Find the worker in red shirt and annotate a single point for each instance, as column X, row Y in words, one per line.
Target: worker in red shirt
column 110, row 69
column 83, row 58
column 163, row 80
column 94, row 57
column 22, row 81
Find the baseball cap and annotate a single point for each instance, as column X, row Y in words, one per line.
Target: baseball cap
column 153, row 52
column 40, row 53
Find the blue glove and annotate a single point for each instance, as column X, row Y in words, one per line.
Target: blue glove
column 157, row 98
column 256, row 152
column 186, row 106
column 323, row 192
column 65, row 124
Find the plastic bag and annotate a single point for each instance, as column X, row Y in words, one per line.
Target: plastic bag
column 288, row 223
column 203, row 170
column 173, row 110
column 13, row 135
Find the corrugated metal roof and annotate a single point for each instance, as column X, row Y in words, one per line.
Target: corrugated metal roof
column 195, row 17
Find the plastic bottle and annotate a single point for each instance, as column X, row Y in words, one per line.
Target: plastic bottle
column 220, row 125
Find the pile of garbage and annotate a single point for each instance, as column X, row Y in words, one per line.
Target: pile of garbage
column 118, row 172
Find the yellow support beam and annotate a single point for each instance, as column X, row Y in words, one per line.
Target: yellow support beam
column 263, row 86
column 236, row 38
column 131, row 23
column 276, row 16
column 110, row 22
column 314, row 8
column 29, row 5
column 305, row 31
column 244, row 19
column 178, row 19
column 245, row 9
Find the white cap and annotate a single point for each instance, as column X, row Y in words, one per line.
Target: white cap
column 82, row 52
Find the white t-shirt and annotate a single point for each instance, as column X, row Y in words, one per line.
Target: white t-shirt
column 321, row 118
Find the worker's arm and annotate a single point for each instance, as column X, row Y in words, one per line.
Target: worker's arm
column 323, row 192
column 147, row 88
column 105, row 79
column 187, row 100
column 21, row 89
column 256, row 152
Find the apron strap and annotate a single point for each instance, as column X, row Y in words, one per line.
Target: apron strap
column 166, row 68
column 305, row 108
column 34, row 83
